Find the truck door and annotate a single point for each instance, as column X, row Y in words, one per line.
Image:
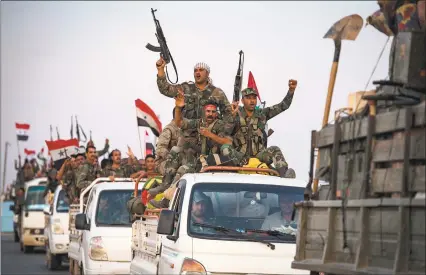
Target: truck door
column 170, row 257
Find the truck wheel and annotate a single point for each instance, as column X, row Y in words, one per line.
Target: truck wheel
column 52, row 261
column 28, row 249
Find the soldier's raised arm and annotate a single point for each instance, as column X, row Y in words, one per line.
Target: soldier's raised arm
column 277, row 109
column 164, row 87
column 105, row 150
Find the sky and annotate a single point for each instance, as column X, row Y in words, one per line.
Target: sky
column 89, row 59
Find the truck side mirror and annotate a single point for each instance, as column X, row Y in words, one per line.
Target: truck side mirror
column 46, row 211
column 81, row 222
column 12, row 207
column 166, row 223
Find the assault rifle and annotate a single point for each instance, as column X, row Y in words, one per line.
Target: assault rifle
column 163, row 49
column 238, row 78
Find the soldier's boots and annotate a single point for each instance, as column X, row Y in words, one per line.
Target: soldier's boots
column 286, row 172
column 164, row 203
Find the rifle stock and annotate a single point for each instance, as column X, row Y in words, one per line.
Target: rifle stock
column 238, row 78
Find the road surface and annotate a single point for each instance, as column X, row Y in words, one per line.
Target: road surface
column 15, row 262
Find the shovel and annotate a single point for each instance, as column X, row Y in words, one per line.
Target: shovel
column 346, row 28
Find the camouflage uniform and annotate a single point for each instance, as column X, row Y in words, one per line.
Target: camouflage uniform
column 124, row 171
column 195, row 99
column 86, row 174
column 69, row 184
column 167, row 139
column 249, row 138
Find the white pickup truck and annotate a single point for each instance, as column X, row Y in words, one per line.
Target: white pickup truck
column 221, row 223
column 56, row 230
column 101, row 230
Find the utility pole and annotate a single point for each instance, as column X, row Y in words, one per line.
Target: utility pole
column 3, row 184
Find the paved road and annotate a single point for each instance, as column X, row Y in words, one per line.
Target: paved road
column 13, row 261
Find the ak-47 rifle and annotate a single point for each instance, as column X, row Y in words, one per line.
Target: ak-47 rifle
column 163, row 49
column 308, row 190
column 238, row 78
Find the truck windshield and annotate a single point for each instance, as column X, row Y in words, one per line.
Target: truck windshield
column 62, row 205
column 34, row 200
column 256, row 212
column 111, row 208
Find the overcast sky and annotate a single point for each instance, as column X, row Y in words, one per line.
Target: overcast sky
column 89, row 59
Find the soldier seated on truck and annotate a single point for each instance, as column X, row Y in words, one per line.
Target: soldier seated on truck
column 248, row 136
column 88, row 171
column 182, row 159
column 116, row 169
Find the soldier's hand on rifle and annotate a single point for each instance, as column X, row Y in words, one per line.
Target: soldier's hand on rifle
column 292, row 84
column 180, row 98
column 106, row 141
column 204, row 132
column 160, row 64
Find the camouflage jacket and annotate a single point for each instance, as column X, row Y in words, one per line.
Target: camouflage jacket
column 124, row 171
column 167, row 139
column 86, row 174
column 206, row 145
column 195, row 99
column 69, row 183
column 249, row 132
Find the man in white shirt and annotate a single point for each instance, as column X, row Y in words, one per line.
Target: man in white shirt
column 281, row 218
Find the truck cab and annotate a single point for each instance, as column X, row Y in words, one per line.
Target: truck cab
column 220, row 223
column 31, row 217
column 100, row 232
column 56, row 231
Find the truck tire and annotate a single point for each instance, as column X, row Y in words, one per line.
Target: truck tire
column 53, row 261
column 28, row 249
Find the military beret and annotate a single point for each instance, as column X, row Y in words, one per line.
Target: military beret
column 248, row 91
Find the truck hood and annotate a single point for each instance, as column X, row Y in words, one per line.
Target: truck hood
column 35, row 219
column 240, row 257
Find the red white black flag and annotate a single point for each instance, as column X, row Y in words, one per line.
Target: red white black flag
column 22, row 131
column 61, row 149
column 29, row 152
column 147, row 118
column 149, row 147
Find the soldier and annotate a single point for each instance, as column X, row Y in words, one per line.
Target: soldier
column 115, row 169
column 167, row 139
column 67, row 174
column 212, row 136
column 248, row 137
column 100, row 152
column 196, row 95
column 88, row 171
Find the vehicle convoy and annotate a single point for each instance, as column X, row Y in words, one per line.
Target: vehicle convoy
column 372, row 218
column 101, row 229
column 30, row 220
column 56, row 229
column 220, row 222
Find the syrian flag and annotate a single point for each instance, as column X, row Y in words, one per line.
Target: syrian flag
column 147, row 118
column 29, row 152
column 61, row 149
column 22, row 131
column 252, row 84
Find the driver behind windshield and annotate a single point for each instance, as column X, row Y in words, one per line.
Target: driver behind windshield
column 109, row 213
column 198, row 212
column 282, row 218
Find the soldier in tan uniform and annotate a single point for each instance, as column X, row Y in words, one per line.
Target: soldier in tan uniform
column 89, row 170
column 167, row 139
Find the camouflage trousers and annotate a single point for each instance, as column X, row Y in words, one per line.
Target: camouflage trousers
column 270, row 155
column 180, row 160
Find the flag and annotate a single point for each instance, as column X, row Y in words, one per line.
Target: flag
column 147, row 118
column 149, row 147
column 61, row 149
column 22, row 131
column 29, row 152
column 252, row 84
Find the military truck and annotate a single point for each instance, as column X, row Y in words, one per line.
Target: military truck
column 371, row 217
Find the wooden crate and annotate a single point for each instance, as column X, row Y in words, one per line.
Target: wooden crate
column 382, row 236
column 380, row 172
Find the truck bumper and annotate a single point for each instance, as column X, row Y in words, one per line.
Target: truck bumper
column 104, row 267
column 59, row 244
column 33, row 240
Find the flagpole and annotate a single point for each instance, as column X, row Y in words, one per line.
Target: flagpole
column 139, row 133
column 3, row 184
column 17, row 143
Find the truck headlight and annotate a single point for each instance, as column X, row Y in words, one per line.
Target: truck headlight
column 192, row 267
column 97, row 250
